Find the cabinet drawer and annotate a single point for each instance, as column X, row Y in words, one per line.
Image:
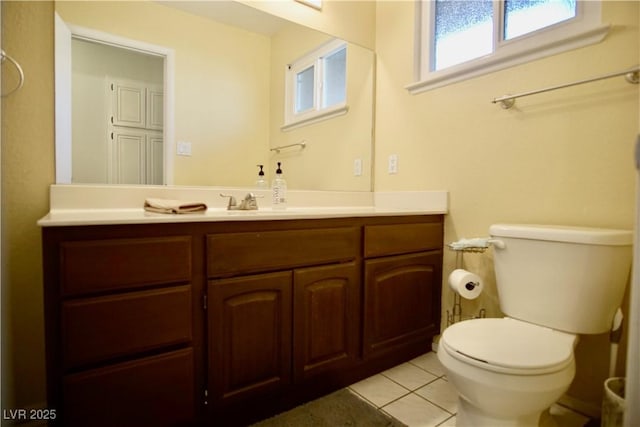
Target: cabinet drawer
column 95, row 329
column 401, row 238
column 154, row 391
column 100, row 265
column 235, row 253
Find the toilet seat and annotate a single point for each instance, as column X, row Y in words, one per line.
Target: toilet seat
column 509, row 346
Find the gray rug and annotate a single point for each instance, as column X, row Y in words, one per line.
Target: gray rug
column 341, row 408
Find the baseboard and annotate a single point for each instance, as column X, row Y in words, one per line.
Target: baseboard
column 589, row 409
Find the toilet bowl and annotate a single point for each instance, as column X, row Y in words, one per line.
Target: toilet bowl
column 554, row 282
column 506, row 372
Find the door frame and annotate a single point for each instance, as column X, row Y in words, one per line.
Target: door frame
column 64, row 33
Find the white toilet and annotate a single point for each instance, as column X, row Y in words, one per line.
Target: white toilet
column 553, row 283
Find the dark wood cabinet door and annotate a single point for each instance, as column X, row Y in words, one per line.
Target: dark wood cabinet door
column 153, row 391
column 249, row 320
column 326, row 319
column 401, row 301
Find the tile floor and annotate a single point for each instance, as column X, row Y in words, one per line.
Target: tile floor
column 418, row 394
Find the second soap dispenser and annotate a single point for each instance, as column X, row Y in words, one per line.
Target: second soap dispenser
column 261, row 182
column 279, row 190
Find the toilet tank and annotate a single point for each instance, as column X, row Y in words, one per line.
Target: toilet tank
column 566, row 278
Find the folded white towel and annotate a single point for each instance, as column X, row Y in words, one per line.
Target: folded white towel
column 173, row 206
column 478, row 242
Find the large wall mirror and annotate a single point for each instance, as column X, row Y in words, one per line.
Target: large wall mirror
column 193, row 93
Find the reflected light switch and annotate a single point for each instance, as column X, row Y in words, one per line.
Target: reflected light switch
column 184, row 148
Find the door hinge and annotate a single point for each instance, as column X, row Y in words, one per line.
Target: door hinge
column 205, row 305
column 206, row 396
column 111, row 86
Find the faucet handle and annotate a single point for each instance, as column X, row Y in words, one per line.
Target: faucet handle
column 232, row 200
column 250, row 202
column 253, row 196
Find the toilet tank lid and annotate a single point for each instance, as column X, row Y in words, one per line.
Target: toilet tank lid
column 563, row 233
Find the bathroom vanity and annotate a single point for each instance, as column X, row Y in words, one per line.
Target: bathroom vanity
column 222, row 319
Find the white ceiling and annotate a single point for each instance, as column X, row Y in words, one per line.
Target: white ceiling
column 231, row 13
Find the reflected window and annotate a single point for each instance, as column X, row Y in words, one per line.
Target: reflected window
column 335, row 78
column 305, row 94
column 317, row 83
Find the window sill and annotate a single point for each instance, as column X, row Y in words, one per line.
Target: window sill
column 498, row 62
column 319, row 117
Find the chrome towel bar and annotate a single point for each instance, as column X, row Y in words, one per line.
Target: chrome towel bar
column 301, row 144
column 632, row 76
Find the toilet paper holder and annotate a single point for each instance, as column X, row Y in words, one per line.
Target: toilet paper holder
column 477, row 246
column 471, row 285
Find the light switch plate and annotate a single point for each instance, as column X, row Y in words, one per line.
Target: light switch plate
column 393, row 164
column 357, row 167
column 184, row 148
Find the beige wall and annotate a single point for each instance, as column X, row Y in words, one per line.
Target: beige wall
column 561, row 157
column 27, row 172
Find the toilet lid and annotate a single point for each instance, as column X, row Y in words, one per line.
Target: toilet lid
column 510, row 344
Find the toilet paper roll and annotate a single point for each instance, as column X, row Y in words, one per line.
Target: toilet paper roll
column 465, row 283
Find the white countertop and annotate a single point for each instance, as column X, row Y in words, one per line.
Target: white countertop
column 104, row 205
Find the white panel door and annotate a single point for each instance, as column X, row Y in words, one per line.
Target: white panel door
column 155, row 158
column 129, row 104
column 155, row 105
column 128, row 157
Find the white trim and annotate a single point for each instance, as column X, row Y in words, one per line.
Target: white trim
column 62, row 100
column 319, row 117
column 316, row 4
column 632, row 414
column 583, row 30
column 89, row 34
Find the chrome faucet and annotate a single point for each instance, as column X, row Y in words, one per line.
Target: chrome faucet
column 249, row 203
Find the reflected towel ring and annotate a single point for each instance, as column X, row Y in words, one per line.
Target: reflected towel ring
column 3, row 56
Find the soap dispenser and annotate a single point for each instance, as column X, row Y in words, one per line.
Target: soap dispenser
column 279, row 190
column 261, row 182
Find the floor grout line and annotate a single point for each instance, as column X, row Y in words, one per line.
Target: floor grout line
column 436, row 405
column 452, row 416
